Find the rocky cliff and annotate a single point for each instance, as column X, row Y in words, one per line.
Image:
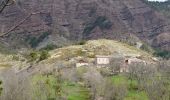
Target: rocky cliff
column 68, row 21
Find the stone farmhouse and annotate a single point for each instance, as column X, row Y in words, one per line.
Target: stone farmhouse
column 122, row 62
column 102, row 61
column 107, row 61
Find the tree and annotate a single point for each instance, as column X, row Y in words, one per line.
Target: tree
column 96, row 82
column 5, row 3
column 15, row 87
column 142, row 73
column 114, row 92
column 153, row 79
column 115, row 64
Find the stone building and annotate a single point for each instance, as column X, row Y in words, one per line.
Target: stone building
column 102, row 61
column 82, row 63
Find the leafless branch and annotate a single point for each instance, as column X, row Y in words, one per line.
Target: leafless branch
column 5, row 3
column 21, row 22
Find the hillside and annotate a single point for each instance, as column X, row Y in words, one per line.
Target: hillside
column 58, row 75
column 68, row 21
column 68, row 56
column 72, row 54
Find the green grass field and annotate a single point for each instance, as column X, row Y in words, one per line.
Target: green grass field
column 76, row 91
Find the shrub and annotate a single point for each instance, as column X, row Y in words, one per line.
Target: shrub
column 82, row 42
column 162, row 53
column 145, row 47
column 102, row 21
column 33, row 56
column 50, row 47
column 15, row 57
column 34, row 41
column 44, row 55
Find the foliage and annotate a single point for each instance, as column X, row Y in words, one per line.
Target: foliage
column 37, row 55
column 102, row 22
column 146, row 47
column 15, row 57
column 57, row 89
column 162, row 53
column 82, row 42
column 132, row 93
column 34, row 41
column 51, row 85
column 33, row 56
column 44, row 55
column 50, row 47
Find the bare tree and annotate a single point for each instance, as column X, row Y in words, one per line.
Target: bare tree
column 96, row 82
column 158, row 89
column 5, row 3
column 15, row 87
column 114, row 92
column 115, row 64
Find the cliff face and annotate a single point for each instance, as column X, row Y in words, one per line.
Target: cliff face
column 72, row 20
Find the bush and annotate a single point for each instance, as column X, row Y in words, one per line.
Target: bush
column 82, row 42
column 15, row 57
column 44, row 55
column 33, row 56
column 162, row 53
column 102, row 21
column 34, row 41
column 146, row 47
column 50, row 47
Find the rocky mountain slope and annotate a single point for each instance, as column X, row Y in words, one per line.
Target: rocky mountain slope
column 67, row 21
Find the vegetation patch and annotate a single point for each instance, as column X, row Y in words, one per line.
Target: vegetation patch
column 146, row 48
column 63, row 89
column 50, row 47
column 34, row 41
column 102, row 22
column 37, row 55
column 83, row 42
column 162, row 53
column 133, row 93
column 136, row 95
